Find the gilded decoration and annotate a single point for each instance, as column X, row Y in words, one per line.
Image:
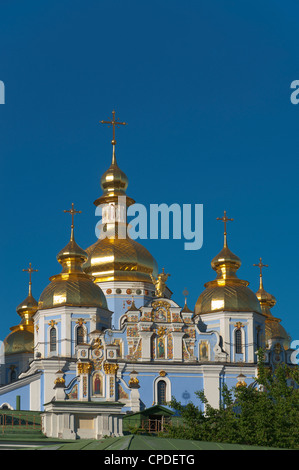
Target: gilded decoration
column 169, row 346
column 84, row 367
column 132, row 331
column 59, row 382
column 161, row 331
column 162, row 373
column 161, row 311
column 97, row 344
column 80, row 321
column 134, row 382
column 110, row 368
column 111, row 386
column 52, row 323
column 160, row 283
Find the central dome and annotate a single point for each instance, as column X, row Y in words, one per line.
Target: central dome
column 115, row 259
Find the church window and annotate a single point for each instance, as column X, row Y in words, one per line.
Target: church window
column 13, row 375
column 238, row 341
column 53, row 339
column 80, row 335
column 161, row 389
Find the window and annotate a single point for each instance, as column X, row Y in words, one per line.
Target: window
column 13, row 375
column 80, row 335
column 238, row 341
column 53, row 339
column 161, row 389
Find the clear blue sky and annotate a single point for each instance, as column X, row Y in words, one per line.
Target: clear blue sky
column 205, row 89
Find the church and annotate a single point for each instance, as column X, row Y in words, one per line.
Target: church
column 107, row 338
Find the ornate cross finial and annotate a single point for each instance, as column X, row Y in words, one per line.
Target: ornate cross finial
column 185, row 294
column 72, row 211
column 113, row 123
column 261, row 266
column 224, row 219
column 30, row 270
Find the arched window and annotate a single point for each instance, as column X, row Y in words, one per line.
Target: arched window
column 53, row 339
column 80, row 335
column 238, row 341
column 13, row 375
column 161, row 392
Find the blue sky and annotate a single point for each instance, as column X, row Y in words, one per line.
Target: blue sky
column 205, row 89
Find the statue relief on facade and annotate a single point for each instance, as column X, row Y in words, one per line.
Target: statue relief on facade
column 160, row 283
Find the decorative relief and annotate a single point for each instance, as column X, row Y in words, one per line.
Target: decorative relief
column 73, row 395
column 122, row 395
column 84, row 386
column 110, row 368
column 84, row 367
column 161, row 311
column 169, row 346
column 147, row 316
column 132, row 331
column 111, row 386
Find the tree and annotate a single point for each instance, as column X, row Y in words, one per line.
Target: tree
column 265, row 414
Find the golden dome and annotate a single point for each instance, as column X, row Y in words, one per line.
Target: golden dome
column 114, row 183
column 72, row 287
column 116, row 259
column 20, row 340
column 273, row 327
column 227, row 292
column 113, row 257
column 28, row 306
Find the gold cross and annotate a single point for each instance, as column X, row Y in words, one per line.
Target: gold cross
column 224, row 219
column 113, row 123
column 73, row 211
column 261, row 266
column 30, row 270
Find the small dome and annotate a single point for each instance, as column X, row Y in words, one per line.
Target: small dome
column 28, row 305
column 227, row 292
column 20, row 340
column 114, row 183
column 77, row 290
column 273, row 327
column 72, row 287
column 231, row 298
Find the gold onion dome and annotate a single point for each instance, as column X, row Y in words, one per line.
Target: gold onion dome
column 227, row 292
column 21, row 338
column 72, row 287
column 113, row 257
column 273, row 327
